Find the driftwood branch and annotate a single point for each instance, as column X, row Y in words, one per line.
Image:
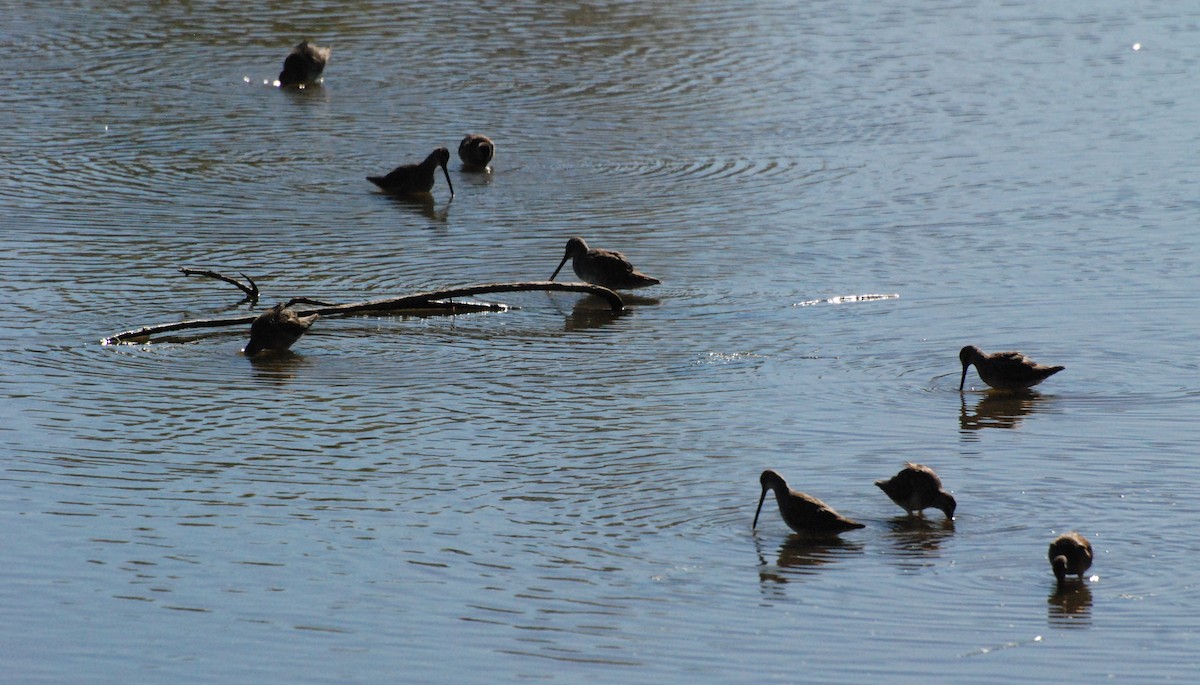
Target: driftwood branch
column 388, row 304
column 306, row 300
column 251, row 290
column 432, row 300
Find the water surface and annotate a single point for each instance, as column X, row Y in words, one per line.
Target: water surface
column 553, row 493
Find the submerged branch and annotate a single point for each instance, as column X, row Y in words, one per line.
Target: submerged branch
column 389, row 304
column 434, row 300
column 143, row 333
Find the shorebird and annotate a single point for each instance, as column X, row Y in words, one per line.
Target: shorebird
column 1004, row 370
column 476, row 151
column 276, row 330
column 415, row 179
column 1070, row 553
column 303, row 65
column 603, row 267
column 803, row 513
column 917, row 487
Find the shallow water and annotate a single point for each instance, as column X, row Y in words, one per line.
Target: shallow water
column 837, row 196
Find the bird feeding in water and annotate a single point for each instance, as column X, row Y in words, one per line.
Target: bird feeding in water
column 276, row 330
column 1070, row 554
column 803, row 513
column 1004, row 370
column 603, row 267
column 303, row 65
column 415, row 179
column 917, row 487
column 476, row 152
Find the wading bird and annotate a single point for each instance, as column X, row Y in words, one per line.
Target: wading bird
column 1070, row 554
column 1004, row 370
column 917, row 487
column 803, row 513
column 415, row 179
column 603, row 267
column 303, row 65
column 276, row 329
column 476, row 152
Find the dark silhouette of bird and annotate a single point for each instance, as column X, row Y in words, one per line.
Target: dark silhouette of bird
column 415, row 179
column 1070, row 554
column 803, row 513
column 276, row 330
column 917, row 487
column 476, row 152
column 603, row 267
column 303, row 64
column 1004, row 370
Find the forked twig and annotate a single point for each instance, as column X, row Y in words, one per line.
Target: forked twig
column 250, row 290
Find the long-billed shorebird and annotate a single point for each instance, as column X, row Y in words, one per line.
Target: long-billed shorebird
column 803, row 513
column 603, row 267
column 476, row 152
column 415, row 179
column 276, row 330
column 1004, row 370
column 303, row 64
column 916, row 488
column 1070, row 554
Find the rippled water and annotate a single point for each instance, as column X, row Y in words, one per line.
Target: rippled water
column 837, row 196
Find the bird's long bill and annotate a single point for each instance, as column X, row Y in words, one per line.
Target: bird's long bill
column 560, row 266
column 447, row 174
column 759, row 509
column 963, row 380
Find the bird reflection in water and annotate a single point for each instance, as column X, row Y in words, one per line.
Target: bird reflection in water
column 423, row 204
column 592, row 312
column 917, row 538
column 1000, row 409
column 803, row 555
column 1070, row 605
column 279, row 368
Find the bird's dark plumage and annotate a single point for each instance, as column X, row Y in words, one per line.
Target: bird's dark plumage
column 1070, row 554
column 603, row 267
column 803, row 513
column 917, row 487
column 276, row 330
column 415, row 179
column 476, row 152
column 304, row 64
column 1004, row 370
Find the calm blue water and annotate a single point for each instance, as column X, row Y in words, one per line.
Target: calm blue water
column 551, row 493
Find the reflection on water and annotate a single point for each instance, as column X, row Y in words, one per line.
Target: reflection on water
column 1070, row 605
column 308, row 91
column 475, row 178
column 999, row 409
column 278, row 367
column 918, row 538
column 803, row 555
column 423, row 204
column 634, row 299
column 591, row 311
